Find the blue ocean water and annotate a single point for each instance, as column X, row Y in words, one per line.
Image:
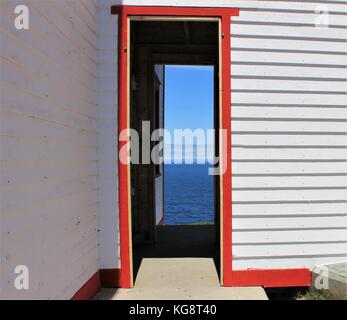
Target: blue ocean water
column 188, row 194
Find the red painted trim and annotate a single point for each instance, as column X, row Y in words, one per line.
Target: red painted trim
column 226, row 125
column 124, row 12
column 110, row 278
column 125, row 277
column 270, row 278
column 89, row 289
column 174, row 11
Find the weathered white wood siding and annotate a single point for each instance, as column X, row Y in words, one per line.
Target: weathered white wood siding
column 107, row 99
column 48, row 145
column 289, row 131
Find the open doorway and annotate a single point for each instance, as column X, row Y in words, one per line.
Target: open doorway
column 154, row 46
column 188, row 110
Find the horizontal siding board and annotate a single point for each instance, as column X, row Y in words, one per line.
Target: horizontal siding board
column 283, row 208
column 288, row 18
column 331, row 34
column 273, row 97
column 289, row 195
column 291, row 112
column 300, row 140
column 292, row 236
column 289, row 153
column 290, row 182
column 287, row 57
column 288, row 125
column 284, row 223
column 271, row 83
column 290, row 249
column 317, row 73
column 289, row 168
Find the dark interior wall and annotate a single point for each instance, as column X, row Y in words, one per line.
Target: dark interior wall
column 142, row 104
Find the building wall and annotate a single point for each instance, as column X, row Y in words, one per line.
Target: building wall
column 289, row 131
column 289, row 136
column 107, row 155
column 48, row 140
column 58, row 139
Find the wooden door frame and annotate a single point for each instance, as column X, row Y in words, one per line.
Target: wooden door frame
column 171, row 13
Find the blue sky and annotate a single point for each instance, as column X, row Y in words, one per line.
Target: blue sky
column 188, row 97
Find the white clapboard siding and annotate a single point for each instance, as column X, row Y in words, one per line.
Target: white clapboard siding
column 295, row 73
column 107, row 93
column 280, row 57
column 289, row 89
column 293, row 152
column 277, row 140
column 48, row 138
column 284, row 223
column 291, row 182
column 288, row 97
column 288, row 168
column 300, row 207
column 291, row 112
column 289, row 125
column 295, row 235
column 301, row 249
column 273, row 30
column 289, row 18
column 259, row 196
column 268, row 83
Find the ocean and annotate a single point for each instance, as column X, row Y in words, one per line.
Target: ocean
column 188, row 194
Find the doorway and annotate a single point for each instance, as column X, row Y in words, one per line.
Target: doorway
column 154, row 46
column 126, row 14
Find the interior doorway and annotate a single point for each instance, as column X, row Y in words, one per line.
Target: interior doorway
column 154, row 44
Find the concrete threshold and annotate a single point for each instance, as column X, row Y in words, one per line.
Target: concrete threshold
column 180, row 279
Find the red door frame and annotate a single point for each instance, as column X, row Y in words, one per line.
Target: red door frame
column 123, row 13
column 269, row 278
